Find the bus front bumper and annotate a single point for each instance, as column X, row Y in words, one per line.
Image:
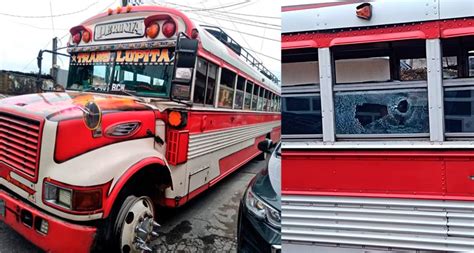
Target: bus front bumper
column 46, row 232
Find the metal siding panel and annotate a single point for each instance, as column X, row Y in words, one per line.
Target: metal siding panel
column 378, row 222
column 344, row 16
column 456, row 8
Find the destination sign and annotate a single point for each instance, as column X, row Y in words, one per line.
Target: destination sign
column 120, row 30
column 154, row 56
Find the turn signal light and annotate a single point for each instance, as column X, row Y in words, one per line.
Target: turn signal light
column 169, row 28
column 177, row 119
column 152, row 30
column 87, row 200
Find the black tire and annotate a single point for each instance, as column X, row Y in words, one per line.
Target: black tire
column 107, row 238
column 119, row 220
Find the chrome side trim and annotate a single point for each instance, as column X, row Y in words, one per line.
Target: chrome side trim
column 205, row 143
column 383, row 144
column 379, row 222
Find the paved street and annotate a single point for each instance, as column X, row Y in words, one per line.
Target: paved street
column 205, row 224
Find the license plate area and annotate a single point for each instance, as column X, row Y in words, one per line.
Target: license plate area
column 2, row 207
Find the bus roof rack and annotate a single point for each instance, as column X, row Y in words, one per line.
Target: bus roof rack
column 223, row 37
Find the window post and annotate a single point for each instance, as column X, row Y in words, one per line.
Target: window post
column 435, row 89
column 327, row 96
column 218, row 86
column 235, row 90
column 194, row 82
column 245, row 93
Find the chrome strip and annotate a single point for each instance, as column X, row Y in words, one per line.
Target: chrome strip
column 205, row 143
column 380, row 222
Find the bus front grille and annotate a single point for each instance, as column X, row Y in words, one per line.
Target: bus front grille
column 19, row 144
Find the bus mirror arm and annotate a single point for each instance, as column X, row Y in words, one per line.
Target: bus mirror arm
column 39, row 59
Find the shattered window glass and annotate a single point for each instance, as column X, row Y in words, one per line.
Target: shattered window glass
column 382, row 112
column 459, row 110
column 301, row 115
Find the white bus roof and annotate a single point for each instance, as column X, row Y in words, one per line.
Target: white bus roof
column 339, row 15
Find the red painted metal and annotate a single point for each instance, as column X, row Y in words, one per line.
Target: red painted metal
column 421, row 30
column 206, row 121
column 177, row 146
column 122, row 180
column 414, row 173
column 234, row 161
column 73, row 138
column 62, row 236
column 457, row 28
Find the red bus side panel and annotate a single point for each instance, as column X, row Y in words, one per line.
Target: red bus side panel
column 434, row 174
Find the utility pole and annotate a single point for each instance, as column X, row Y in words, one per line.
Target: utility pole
column 54, row 69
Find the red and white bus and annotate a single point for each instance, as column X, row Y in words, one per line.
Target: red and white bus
column 378, row 126
column 157, row 110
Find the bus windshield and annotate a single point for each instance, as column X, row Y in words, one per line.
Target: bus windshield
column 113, row 73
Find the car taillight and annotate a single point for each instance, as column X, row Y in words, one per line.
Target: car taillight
column 152, row 30
column 169, row 28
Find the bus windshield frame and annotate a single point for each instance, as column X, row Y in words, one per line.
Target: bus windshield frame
column 146, row 73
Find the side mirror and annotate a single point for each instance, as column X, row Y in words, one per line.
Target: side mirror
column 265, row 145
column 92, row 115
column 184, row 62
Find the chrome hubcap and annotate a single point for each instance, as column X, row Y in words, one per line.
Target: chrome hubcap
column 139, row 228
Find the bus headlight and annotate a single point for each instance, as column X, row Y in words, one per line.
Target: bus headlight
column 57, row 195
column 78, row 199
column 261, row 209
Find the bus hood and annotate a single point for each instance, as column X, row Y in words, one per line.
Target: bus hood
column 59, row 106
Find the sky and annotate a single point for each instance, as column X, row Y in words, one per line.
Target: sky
column 27, row 26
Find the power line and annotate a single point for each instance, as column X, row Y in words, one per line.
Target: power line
column 249, row 34
column 254, row 23
column 212, row 12
column 248, row 15
column 37, row 27
column 213, row 8
column 50, row 16
column 262, row 54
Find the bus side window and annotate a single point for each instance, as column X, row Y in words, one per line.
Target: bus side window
column 211, row 84
column 381, row 89
column 301, row 115
column 200, row 82
column 256, row 89
column 226, row 90
column 239, row 93
column 458, row 62
column 260, row 99
column 248, row 95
